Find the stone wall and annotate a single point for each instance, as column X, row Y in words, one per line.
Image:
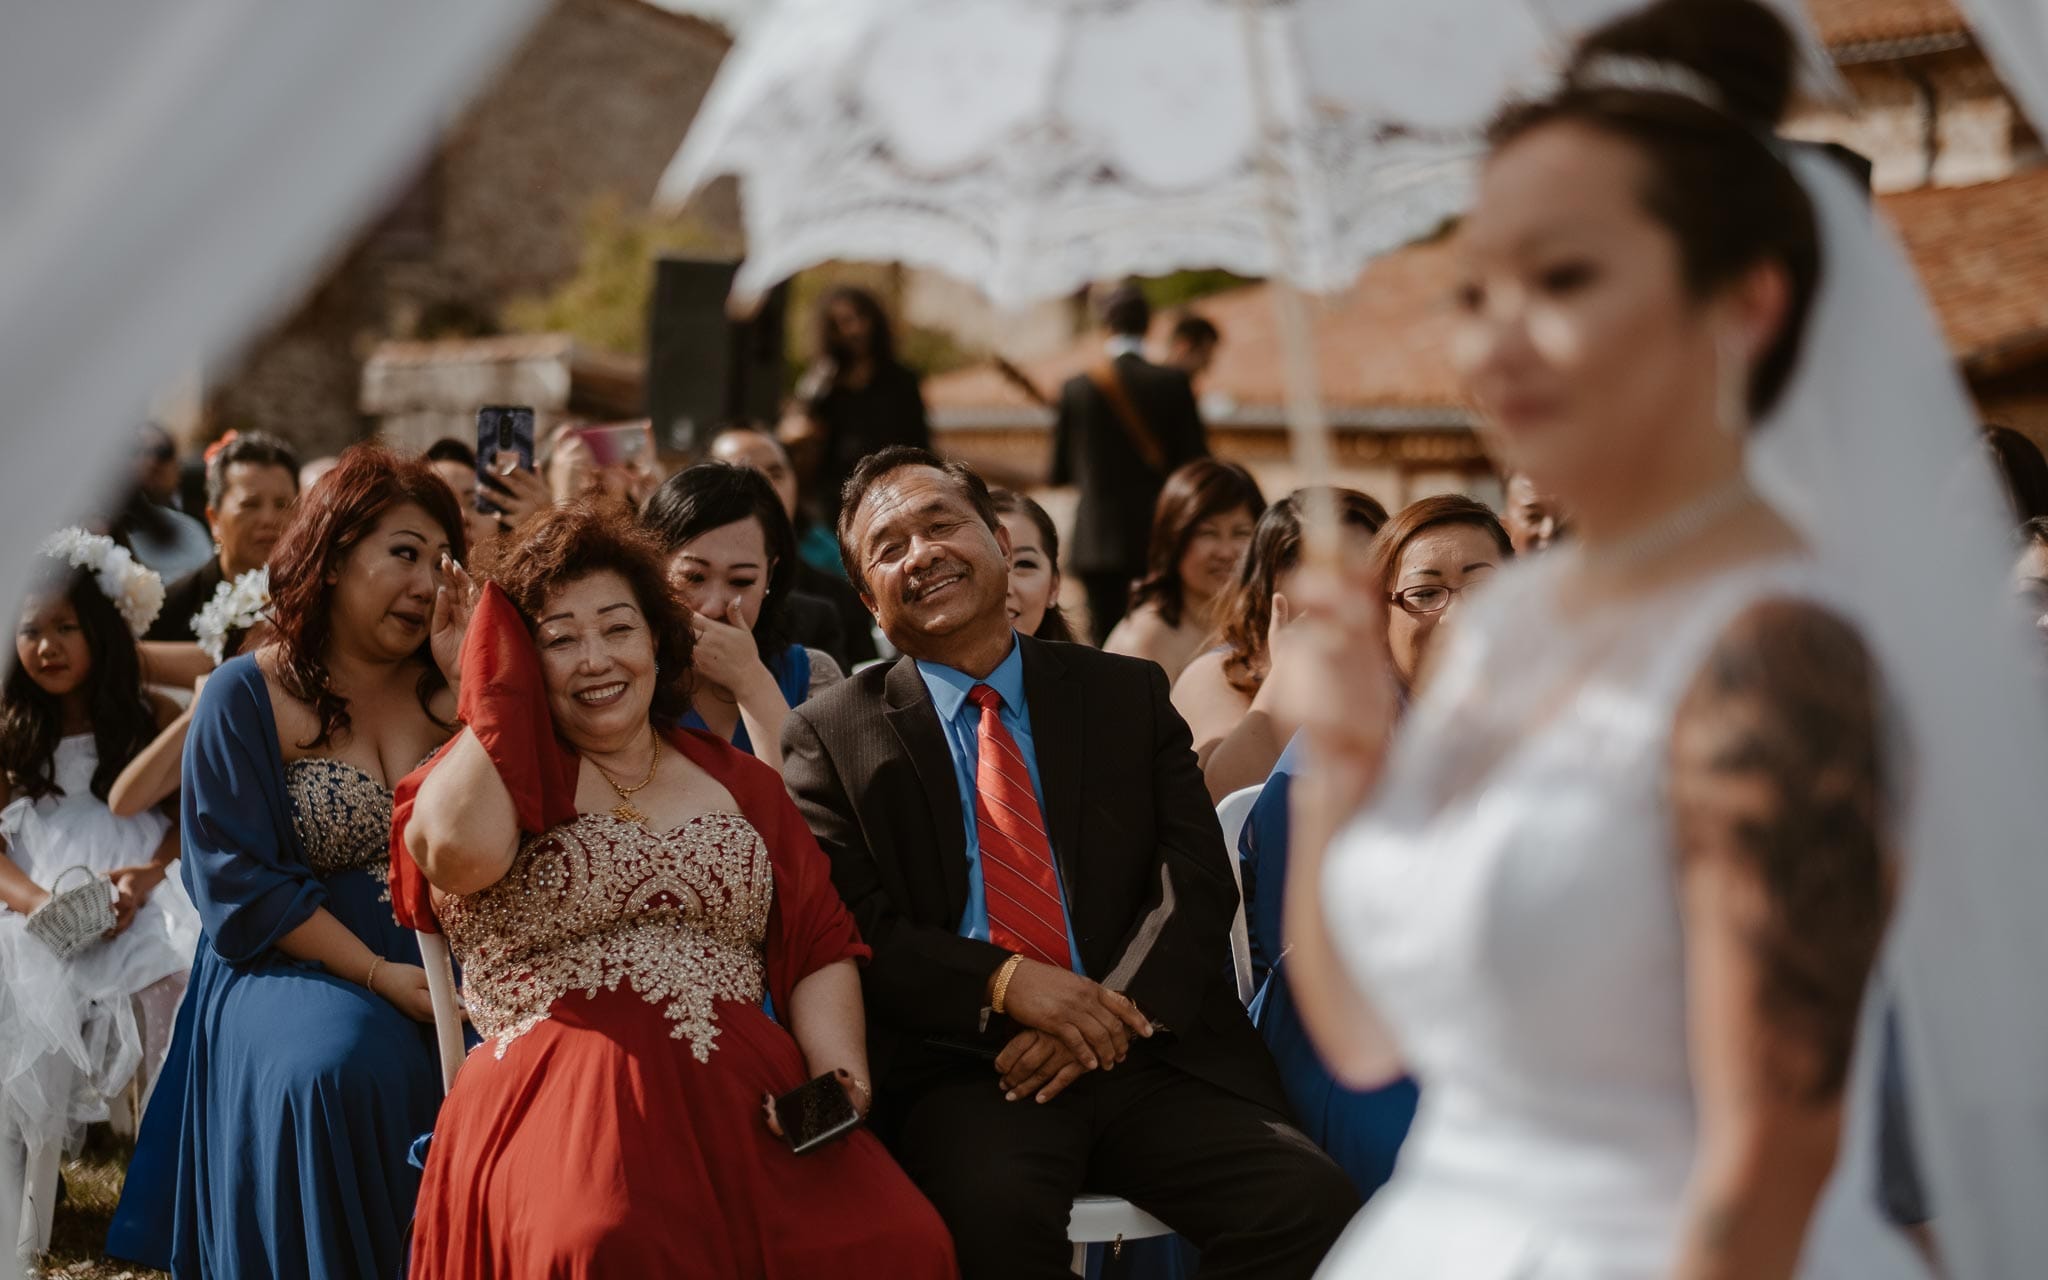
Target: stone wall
column 593, row 104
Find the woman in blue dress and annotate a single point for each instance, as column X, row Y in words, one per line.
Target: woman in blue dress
column 1361, row 1129
column 732, row 560
column 1425, row 560
column 303, row 1064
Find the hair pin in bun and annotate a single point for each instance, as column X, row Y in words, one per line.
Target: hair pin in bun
column 1646, row 75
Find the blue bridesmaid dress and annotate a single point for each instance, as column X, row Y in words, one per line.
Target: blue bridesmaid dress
column 276, row 1142
column 1360, row 1129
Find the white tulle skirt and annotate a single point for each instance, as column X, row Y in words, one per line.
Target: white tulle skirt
column 75, row 1032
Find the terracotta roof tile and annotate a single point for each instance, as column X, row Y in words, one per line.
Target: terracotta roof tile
column 1847, row 22
column 1380, row 344
column 1982, row 252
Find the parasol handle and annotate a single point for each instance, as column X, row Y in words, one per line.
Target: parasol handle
column 1308, row 428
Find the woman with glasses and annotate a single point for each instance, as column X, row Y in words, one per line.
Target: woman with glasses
column 1222, row 693
column 1425, row 559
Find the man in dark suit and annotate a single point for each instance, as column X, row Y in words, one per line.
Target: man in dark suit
column 1022, row 834
column 1123, row 427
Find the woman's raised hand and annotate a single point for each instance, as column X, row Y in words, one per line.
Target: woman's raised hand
column 725, row 653
column 454, row 600
column 1331, row 672
column 516, row 491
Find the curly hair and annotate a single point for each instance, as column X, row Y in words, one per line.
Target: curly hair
column 1247, row 610
column 570, row 542
column 32, row 721
column 336, row 515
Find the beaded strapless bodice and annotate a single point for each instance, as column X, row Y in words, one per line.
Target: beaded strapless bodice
column 342, row 816
column 679, row 917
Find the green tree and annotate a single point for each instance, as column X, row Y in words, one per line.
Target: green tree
column 605, row 303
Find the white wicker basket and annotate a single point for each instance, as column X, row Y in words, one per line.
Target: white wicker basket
column 75, row 918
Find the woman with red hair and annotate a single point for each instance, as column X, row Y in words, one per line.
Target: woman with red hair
column 622, row 895
column 303, row 1066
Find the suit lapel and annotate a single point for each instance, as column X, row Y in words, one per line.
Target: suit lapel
column 1057, row 730
column 916, row 724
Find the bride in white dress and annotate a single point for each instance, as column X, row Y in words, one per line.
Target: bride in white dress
column 1617, row 892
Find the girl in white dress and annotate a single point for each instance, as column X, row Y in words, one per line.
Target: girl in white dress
column 72, row 711
column 1617, row 888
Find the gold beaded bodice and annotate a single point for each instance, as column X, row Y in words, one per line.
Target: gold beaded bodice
column 342, row 816
column 678, row 917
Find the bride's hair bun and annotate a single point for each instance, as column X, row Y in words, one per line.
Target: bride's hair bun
column 1697, row 87
column 1741, row 47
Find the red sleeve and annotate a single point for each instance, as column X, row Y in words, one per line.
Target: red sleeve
column 505, row 704
column 809, row 926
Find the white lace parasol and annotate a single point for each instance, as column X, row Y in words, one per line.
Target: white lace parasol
column 1032, row 146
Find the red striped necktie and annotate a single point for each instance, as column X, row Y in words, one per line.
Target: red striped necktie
column 1025, row 913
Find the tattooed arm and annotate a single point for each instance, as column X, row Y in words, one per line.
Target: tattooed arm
column 1779, row 799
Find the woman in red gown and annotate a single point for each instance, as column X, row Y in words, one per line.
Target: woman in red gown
column 620, row 902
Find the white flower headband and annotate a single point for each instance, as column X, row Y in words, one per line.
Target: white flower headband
column 134, row 589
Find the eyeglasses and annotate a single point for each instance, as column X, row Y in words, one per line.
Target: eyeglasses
column 1430, row 598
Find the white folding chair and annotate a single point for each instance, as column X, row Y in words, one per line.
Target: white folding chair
column 1111, row 1220
column 29, row 1179
column 447, row 1005
column 1232, row 814
column 17, row 1245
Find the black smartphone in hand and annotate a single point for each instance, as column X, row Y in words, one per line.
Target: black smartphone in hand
column 500, row 429
column 813, row 1114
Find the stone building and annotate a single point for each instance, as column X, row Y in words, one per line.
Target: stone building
column 592, row 105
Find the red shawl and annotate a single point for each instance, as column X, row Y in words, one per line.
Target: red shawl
column 504, row 703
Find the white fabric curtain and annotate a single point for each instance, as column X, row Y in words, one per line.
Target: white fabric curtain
column 171, row 175
column 2015, row 35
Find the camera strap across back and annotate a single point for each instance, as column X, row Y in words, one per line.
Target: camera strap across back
column 1105, row 380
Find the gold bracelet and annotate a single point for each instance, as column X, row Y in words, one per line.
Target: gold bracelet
column 370, row 978
column 1002, row 987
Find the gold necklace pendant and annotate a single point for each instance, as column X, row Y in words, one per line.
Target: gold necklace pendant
column 624, row 810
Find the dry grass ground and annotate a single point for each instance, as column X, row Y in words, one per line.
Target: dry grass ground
column 92, row 1186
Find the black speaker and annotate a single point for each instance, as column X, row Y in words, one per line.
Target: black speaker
column 705, row 369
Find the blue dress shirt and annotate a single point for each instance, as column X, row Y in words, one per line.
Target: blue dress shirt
column 961, row 720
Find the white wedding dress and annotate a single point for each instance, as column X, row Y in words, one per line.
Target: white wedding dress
column 1509, row 904
column 70, row 1035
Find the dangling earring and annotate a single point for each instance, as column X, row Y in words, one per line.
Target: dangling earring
column 1731, row 383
